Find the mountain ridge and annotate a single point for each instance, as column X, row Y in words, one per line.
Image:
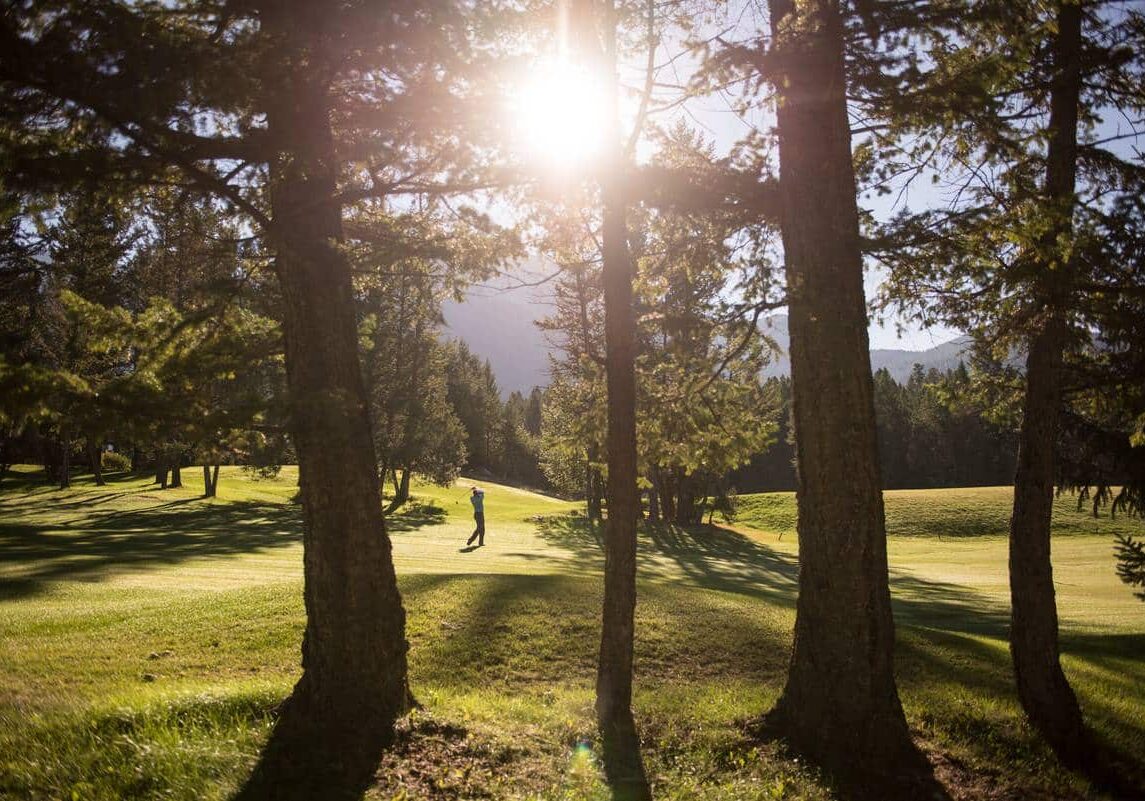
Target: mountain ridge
column 499, row 324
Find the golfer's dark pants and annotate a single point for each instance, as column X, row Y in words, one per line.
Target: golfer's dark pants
column 479, row 532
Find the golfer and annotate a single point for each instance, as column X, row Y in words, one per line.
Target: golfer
column 477, row 498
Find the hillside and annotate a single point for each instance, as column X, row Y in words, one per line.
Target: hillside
column 945, row 514
column 498, row 323
column 899, row 363
column 499, row 326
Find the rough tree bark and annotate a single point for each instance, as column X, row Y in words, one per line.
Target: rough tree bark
column 65, row 462
column 331, row 731
column 623, row 765
column 210, row 481
column 595, row 501
column 401, row 490
column 1046, row 696
column 95, row 460
column 840, row 706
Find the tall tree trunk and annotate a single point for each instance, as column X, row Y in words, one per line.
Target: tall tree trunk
column 623, row 765
column 1046, row 696
column 95, row 459
column 176, row 473
column 210, row 482
column 687, row 508
column 65, row 462
column 401, row 490
column 403, row 487
column 840, row 705
column 331, row 731
column 588, row 489
column 595, row 498
column 654, row 500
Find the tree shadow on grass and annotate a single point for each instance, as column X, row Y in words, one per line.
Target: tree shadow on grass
column 949, row 646
column 710, row 557
column 38, row 501
column 414, row 515
column 100, row 545
column 23, row 493
column 477, row 631
column 722, row 559
column 514, row 631
column 946, row 606
column 943, row 669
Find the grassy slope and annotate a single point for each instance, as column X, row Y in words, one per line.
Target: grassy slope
column 145, row 636
column 947, row 513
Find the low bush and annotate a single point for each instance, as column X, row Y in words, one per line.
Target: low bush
column 114, row 462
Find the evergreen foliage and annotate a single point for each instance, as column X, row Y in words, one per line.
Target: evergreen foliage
column 1130, row 554
column 702, row 407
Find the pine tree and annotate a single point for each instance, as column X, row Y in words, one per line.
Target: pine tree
column 840, row 704
column 1009, row 115
column 278, row 110
column 88, row 248
column 623, row 764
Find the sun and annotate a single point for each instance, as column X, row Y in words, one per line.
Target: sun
column 559, row 116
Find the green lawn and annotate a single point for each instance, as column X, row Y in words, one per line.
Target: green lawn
column 948, row 514
column 146, row 636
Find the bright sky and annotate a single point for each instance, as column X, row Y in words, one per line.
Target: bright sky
column 559, row 121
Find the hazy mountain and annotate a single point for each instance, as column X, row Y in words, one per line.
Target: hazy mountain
column 498, row 324
column 899, row 362
column 941, row 357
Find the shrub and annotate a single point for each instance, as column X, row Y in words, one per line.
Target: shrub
column 114, row 462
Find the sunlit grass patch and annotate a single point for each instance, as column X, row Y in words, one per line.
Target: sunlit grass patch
column 943, row 513
column 147, row 637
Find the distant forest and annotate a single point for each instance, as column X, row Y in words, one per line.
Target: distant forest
column 930, row 435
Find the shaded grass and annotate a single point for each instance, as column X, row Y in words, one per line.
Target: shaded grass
column 150, row 667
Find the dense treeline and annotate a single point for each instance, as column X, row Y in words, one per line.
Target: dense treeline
column 138, row 333
column 931, row 434
column 502, row 437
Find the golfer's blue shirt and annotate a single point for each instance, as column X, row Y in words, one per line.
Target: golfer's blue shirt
column 478, row 501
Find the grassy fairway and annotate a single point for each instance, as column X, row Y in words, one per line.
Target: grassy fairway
column 146, row 636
